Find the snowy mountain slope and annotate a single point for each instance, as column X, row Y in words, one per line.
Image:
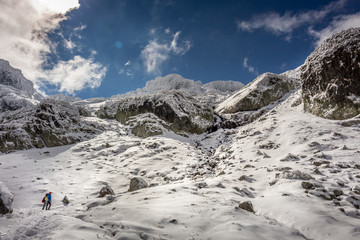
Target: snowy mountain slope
column 195, row 190
column 15, row 90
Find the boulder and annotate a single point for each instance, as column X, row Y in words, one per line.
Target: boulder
column 6, row 199
column 137, row 183
column 65, row 200
column 247, row 206
column 307, row 185
column 331, row 77
column 107, row 190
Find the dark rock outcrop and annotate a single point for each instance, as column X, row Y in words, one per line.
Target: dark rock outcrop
column 331, row 77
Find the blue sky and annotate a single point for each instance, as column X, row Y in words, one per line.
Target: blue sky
column 100, row 48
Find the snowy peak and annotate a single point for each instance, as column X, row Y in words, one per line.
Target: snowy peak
column 173, row 82
column 177, row 82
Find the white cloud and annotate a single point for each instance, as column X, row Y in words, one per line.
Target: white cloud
column 127, row 63
column 250, row 68
column 76, row 74
column 24, row 43
column 337, row 25
column 286, row 23
column 155, row 54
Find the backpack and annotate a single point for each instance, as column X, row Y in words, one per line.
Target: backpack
column 44, row 198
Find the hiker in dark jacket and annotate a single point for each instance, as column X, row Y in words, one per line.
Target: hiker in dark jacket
column 47, row 201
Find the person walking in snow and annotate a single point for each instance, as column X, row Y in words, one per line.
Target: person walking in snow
column 45, row 201
column 48, row 205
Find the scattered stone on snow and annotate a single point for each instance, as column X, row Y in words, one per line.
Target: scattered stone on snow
column 247, row 206
column 106, row 191
column 246, row 178
column 137, row 183
column 65, row 200
column 201, row 185
column 307, row 185
column 290, row 157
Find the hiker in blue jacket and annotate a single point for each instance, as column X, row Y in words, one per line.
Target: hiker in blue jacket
column 48, row 205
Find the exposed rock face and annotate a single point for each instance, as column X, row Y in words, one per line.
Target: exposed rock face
column 331, row 77
column 49, row 124
column 264, row 90
column 173, row 110
column 137, row 183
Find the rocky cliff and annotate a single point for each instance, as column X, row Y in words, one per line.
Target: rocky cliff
column 331, row 77
column 51, row 123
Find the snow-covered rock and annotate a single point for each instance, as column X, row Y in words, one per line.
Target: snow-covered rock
column 264, row 90
column 331, row 77
column 6, row 199
column 176, row 110
column 50, row 123
column 15, row 90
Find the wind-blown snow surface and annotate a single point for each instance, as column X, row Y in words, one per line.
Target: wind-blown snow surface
column 195, row 185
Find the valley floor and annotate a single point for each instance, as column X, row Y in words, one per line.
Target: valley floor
column 195, row 189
